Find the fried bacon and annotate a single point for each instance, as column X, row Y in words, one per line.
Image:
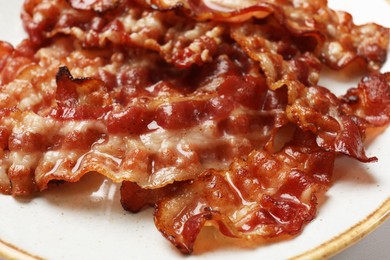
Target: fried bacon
column 269, row 194
column 337, row 41
column 179, row 40
column 126, row 112
column 208, row 111
column 371, row 99
column 265, row 195
column 318, row 110
column 280, row 59
column 185, row 39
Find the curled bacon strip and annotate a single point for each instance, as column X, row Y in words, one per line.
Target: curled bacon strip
column 180, row 41
column 338, row 41
column 340, row 123
column 269, row 194
column 331, row 35
column 265, row 195
column 110, row 123
column 371, row 100
column 318, row 110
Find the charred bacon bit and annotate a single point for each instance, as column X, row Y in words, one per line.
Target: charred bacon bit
column 79, row 99
column 264, row 196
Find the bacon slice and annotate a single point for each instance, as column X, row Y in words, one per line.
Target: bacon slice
column 371, row 99
column 340, row 124
column 270, row 194
column 266, row 195
column 331, row 35
column 339, row 41
column 180, row 41
column 279, row 57
column 318, row 110
column 125, row 113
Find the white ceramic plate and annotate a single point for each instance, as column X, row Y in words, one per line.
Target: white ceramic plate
column 85, row 219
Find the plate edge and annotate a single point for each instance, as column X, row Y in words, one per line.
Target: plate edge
column 350, row 236
column 323, row 251
column 9, row 251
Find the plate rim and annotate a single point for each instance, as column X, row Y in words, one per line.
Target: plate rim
column 350, row 236
column 325, row 250
column 10, row 251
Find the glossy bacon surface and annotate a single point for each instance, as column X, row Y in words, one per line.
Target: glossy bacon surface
column 181, row 36
column 179, row 40
column 124, row 119
column 270, row 193
column 371, row 100
column 333, row 36
column 318, row 110
column 265, row 195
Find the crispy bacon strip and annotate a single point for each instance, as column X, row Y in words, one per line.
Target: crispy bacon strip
column 279, row 56
column 125, row 113
column 318, row 110
column 331, row 35
column 340, row 124
column 223, row 104
column 371, row 100
column 270, row 194
column 339, row 42
column 265, row 195
column 179, row 40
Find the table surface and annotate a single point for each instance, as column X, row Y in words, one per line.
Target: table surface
column 375, row 246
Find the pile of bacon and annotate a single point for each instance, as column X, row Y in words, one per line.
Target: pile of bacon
column 209, row 111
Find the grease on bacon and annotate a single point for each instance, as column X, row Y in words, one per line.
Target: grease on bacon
column 263, row 196
column 129, row 119
column 271, row 193
column 180, row 35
